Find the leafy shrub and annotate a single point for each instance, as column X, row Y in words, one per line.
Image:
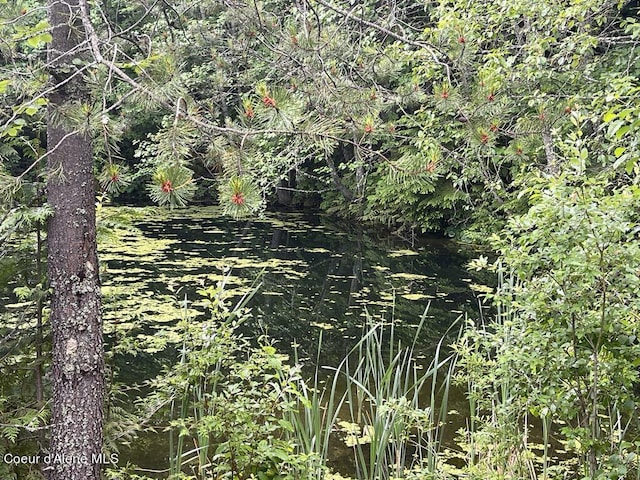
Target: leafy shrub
column 230, row 400
column 564, row 347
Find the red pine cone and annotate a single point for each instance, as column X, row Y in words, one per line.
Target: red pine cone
column 268, row 101
column 238, row 198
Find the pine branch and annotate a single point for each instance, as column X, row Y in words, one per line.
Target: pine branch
column 94, row 43
column 433, row 51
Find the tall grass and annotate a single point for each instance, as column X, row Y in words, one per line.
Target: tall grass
column 391, row 410
column 386, row 389
column 383, row 402
column 315, row 418
column 387, row 406
column 498, row 432
column 179, row 409
column 497, row 438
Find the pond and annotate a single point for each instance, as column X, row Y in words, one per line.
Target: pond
column 314, row 277
column 311, row 277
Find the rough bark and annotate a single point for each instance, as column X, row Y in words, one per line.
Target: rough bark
column 78, row 361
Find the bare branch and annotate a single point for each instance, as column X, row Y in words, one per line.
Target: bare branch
column 46, row 154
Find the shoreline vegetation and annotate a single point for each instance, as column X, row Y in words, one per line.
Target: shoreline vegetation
column 509, row 124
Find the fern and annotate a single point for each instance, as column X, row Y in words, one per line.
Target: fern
column 10, row 432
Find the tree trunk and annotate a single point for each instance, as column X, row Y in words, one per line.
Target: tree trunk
column 78, row 361
column 285, row 188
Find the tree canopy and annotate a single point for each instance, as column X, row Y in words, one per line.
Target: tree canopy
column 511, row 123
column 425, row 116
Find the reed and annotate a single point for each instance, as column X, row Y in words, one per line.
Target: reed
column 315, row 417
column 396, row 407
column 385, row 403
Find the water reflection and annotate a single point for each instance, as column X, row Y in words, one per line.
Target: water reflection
column 317, row 276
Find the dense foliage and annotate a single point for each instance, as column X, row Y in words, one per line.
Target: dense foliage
column 512, row 123
column 422, row 116
column 563, row 348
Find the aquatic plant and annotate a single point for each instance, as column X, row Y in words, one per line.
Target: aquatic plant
column 397, row 427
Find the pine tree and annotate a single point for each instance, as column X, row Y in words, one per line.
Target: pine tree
column 78, row 360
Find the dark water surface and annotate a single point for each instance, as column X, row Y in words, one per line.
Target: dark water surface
column 316, row 278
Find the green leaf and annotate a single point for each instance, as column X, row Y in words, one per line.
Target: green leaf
column 36, row 40
column 286, row 425
column 4, row 84
column 33, row 41
column 584, row 154
column 607, row 117
column 622, row 130
column 269, row 350
column 619, row 151
column 23, row 293
column 630, row 165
